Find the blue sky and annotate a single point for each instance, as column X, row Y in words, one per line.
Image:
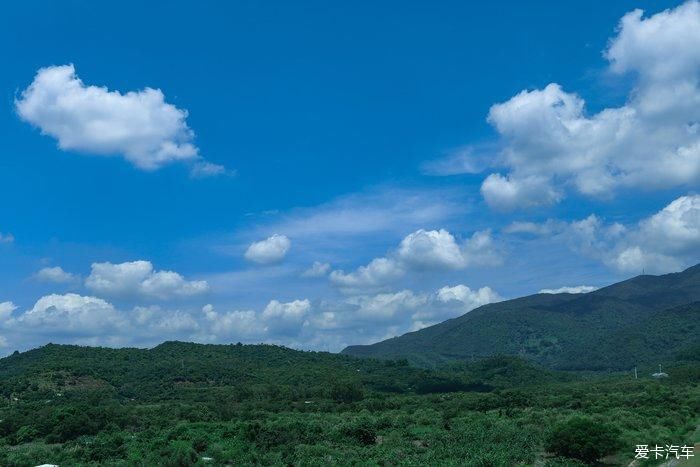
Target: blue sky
column 428, row 158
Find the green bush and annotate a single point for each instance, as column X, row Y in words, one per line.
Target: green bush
column 583, row 438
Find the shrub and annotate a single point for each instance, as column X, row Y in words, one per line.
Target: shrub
column 583, row 438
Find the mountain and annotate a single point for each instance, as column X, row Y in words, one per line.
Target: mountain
column 646, row 320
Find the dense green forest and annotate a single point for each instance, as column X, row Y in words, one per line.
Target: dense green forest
column 187, row 404
column 644, row 320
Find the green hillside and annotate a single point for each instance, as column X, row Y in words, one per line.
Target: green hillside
column 174, row 370
column 643, row 321
column 183, row 404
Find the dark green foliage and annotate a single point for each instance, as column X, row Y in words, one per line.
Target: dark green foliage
column 361, row 430
column 583, row 438
column 644, row 321
column 347, row 391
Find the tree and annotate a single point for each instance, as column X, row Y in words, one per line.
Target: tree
column 583, row 438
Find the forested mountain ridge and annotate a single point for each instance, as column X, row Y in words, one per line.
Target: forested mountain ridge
column 645, row 320
column 174, row 370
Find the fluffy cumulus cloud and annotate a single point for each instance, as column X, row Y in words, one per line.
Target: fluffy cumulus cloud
column 56, row 275
column 333, row 324
column 422, row 250
column 570, row 289
column 551, row 144
column 285, row 317
column 239, row 324
column 72, row 314
column 449, row 302
column 138, row 125
column 666, row 241
column 408, row 311
column 469, row 298
column 271, row 250
column 511, row 192
column 279, row 322
column 140, row 279
column 376, row 274
column 385, row 306
column 431, row 249
column 87, row 320
column 327, row 325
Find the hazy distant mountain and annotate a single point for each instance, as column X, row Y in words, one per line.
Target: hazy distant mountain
column 642, row 321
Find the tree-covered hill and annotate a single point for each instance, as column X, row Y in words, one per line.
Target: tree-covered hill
column 174, row 370
column 646, row 320
column 183, row 404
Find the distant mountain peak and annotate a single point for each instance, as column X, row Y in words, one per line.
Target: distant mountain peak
column 629, row 323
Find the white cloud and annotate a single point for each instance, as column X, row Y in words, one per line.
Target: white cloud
column 328, row 325
column 508, row 193
column 376, row 274
column 285, row 318
column 138, row 278
column 56, row 275
column 664, row 242
column 138, row 125
column 422, row 250
column 385, row 306
column 333, row 324
column 271, row 250
column 161, row 322
column 449, row 302
column 481, row 250
column 570, row 289
column 439, row 250
column 71, row 313
column 551, row 144
column 278, row 320
column 434, row 249
column 236, row 323
column 6, row 238
column 317, row 269
column 469, row 298
column 643, row 45
column 87, row 320
column 295, row 310
column 408, row 310
column 202, row 169
column 6, row 309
